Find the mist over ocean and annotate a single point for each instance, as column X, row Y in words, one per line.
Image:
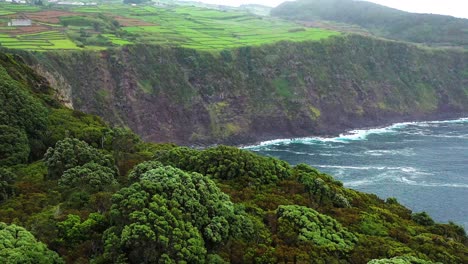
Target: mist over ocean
column 423, row 164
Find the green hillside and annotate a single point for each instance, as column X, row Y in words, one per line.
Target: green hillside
column 87, row 191
column 113, row 25
column 380, row 20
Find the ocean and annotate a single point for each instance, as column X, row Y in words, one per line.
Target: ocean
column 422, row 164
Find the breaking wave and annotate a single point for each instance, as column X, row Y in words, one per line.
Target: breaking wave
column 355, row 135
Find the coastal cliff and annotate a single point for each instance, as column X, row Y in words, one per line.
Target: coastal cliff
column 288, row 89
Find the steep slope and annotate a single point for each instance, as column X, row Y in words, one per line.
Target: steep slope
column 101, row 195
column 256, row 93
column 380, row 20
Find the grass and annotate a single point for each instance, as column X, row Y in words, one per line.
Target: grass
column 185, row 26
column 14, row 8
column 38, row 41
column 116, row 40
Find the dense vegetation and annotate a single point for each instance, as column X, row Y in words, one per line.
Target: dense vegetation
column 86, row 191
column 380, row 20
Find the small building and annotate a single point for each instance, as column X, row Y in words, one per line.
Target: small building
column 20, row 23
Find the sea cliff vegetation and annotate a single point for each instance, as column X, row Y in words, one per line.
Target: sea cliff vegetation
column 248, row 94
column 75, row 190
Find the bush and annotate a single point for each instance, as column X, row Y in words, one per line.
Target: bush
column 227, row 163
column 69, row 153
column 423, row 219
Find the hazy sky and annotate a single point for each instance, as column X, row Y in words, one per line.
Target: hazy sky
column 458, row 8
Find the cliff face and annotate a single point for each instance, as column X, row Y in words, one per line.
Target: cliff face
column 257, row 93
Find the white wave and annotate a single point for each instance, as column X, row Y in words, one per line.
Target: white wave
column 382, row 152
column 431, row 184
column 329, row 154
column 453, row 121
column 299, row 152
column 269, row 143
column 448, row 136
column 358, row 183
column 402, row 169
column 357, row 134
column 381, row 177
column 406, row 181
column 395, row 176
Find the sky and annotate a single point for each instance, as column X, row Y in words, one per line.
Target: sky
column 458, row 8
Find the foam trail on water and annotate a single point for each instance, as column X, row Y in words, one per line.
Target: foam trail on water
column 354, row 135
column 382, row 152
column 407, row 170
column 429, row 184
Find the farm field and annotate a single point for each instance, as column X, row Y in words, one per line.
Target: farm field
column 103, row 26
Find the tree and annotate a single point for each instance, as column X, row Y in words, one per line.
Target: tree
column 142, row 168
column 422, row 218
column 14, row 146
column 321, row 187
column 400, row 260
column 72, row 230
column 71, row 152
column 227, row 163
column 170, row 215
column 21, row 114
column 90, row 177
column 200, row 200
column 155, row 234
column 299, row 223
column 17, row 245
column 7, row 179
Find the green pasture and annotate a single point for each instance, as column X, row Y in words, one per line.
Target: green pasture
column 9, row 8
column 186, row 26
column 37, row 41
column 116, row 40
column 213, row 29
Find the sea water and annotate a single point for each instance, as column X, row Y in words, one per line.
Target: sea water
column 422, row 164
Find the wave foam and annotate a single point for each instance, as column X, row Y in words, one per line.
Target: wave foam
column 382, row 152
column 431, row 184
column 355, row 135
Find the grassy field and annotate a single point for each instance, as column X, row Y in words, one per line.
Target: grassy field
column 95, row 27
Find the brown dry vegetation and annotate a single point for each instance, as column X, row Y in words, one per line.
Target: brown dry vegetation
column 49, row 16
column 29, row 30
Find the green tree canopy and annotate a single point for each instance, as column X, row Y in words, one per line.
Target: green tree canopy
column 142, row 168
column 71, row 152
column 169, row 206
column 201, row 201
column 91, row 177
column 300, row 223
column 321, row 187
column 154, row 234
column 19, row 108
column 227, row 163
column 422, row 218
column 14, row 146
column 400, row 260
column 72, row 230
column 17, row 245
column 7, row 179
column 21, row 114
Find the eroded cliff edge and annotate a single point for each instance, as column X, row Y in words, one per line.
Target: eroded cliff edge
column 257, row 93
